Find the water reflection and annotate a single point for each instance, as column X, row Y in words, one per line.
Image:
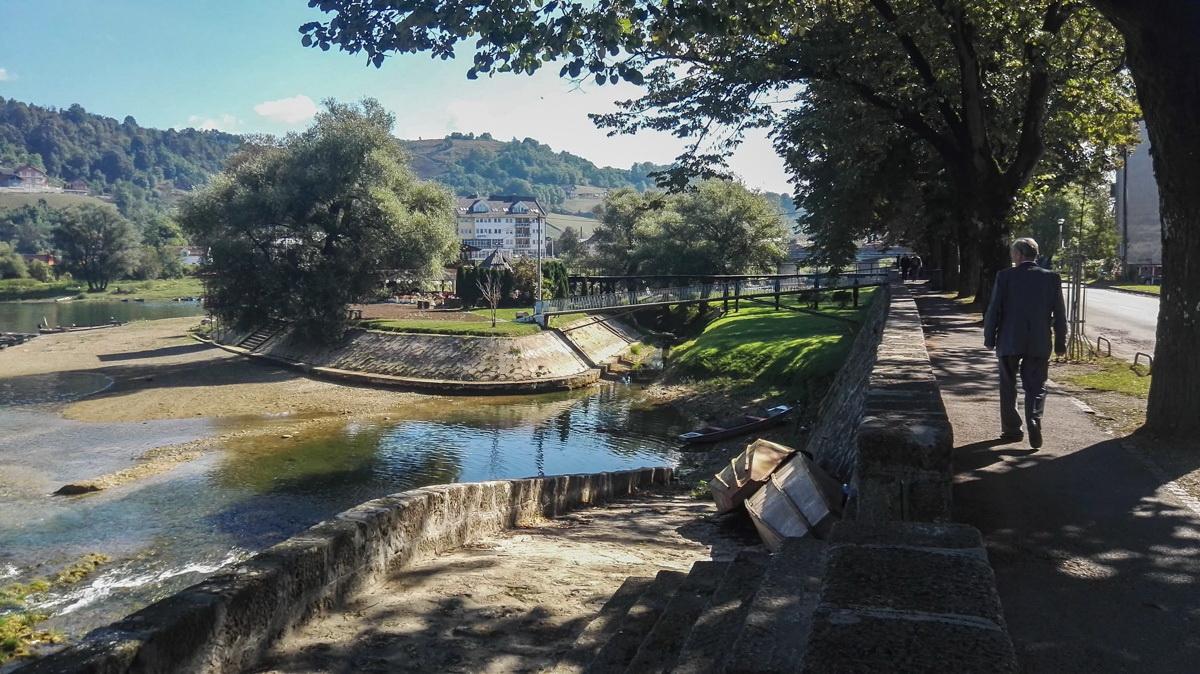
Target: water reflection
column 27, row 316
column 171, row 530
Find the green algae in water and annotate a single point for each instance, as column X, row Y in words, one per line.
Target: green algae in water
column 19, row 629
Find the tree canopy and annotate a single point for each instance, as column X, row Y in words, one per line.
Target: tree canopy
column 96, row 242
column 997, row 91
column 720, row 227
column 298, row 230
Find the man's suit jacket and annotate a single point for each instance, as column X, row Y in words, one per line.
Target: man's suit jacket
column 1026, row 301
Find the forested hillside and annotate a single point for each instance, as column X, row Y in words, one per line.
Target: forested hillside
column 471, row 164
column 132, row 163
column 141, row 167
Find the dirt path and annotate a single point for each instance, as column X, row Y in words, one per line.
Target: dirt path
column 1095, row 554
column 512, row 604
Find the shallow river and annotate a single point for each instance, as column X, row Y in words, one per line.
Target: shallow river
column 170, row 531
column 27, row 316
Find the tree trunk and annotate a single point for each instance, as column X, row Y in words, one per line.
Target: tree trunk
column 1164, row 55
column 968, row 269
column 992, row 252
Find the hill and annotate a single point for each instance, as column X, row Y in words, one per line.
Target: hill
column 137, row 166
column 470, row 164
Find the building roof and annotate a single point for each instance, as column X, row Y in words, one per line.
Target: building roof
column 509, row 204
column 496, row 260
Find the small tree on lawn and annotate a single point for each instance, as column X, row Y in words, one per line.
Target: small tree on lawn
column 491, row 289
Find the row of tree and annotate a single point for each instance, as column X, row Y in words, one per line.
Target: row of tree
column 148, row 249
column 937, row 119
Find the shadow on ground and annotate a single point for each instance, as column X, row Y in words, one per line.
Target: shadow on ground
column 1097, row 557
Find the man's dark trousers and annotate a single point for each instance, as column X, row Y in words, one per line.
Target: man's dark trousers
column 1033, row 371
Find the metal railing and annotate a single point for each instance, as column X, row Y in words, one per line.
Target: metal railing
column 718, row 291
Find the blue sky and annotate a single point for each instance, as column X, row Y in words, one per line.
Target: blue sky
column 239, row 66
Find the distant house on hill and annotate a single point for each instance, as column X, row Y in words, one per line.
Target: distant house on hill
column 48, row 258
column 77, row 186
column 24, row 177
column 514, row 225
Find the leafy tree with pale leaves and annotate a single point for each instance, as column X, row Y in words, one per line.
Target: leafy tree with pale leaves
column 302, row 228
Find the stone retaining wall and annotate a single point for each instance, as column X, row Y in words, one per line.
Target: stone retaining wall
column 882, row 427
column 564, row 358
column 909, row 597
column 599, row 340
column 225, row 623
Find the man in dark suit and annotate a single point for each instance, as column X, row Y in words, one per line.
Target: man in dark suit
column 1026, row 302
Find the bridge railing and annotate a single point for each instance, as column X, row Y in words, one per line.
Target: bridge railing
column 720, row 290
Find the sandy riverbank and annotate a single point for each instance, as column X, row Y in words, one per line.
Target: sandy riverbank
column 159, row 372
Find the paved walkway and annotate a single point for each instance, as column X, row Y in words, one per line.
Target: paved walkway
column 1097, row 562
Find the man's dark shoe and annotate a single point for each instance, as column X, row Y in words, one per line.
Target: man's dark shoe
column 1035, row 435
column 1012, row 437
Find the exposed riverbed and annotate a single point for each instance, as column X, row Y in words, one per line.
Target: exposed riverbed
column 275, row 453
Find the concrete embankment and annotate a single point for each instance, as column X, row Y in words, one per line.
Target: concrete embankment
column 570, row 356
column 226, row 623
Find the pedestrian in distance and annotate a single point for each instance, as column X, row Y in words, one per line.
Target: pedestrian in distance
column 905, row 265
column 915, row 267
column 1026, row 304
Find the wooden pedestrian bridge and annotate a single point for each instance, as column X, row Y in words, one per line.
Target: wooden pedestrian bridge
column 608, row 293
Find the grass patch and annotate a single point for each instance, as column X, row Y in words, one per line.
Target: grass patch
column 151, row 291
column 1152, row 290
column 782, row 349
column 431, row 327
column 1113, row 374
column 509, row 314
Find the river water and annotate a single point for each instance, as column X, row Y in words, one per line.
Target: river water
column 27, row 316
column 167, row 532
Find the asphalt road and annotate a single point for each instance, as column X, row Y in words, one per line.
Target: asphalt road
column 1128, row 320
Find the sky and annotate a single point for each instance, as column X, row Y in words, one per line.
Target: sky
column 238, row 66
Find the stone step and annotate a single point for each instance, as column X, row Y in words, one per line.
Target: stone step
column 606, row 622
column 779, row 620
column 658, row 650
column 620, row 648
column 718, row 626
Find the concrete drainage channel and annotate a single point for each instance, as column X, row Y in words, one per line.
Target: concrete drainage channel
column 226, row 623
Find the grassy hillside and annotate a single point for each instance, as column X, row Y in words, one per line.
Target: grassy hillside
column 583, row 226
column 787, row 351
column 55, row 200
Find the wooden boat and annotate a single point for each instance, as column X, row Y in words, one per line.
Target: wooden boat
column 740, row 426
column 747, row 473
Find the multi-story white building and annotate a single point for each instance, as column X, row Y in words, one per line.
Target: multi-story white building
column 514, row 225
column 1139, row 224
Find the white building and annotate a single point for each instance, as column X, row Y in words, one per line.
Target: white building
column 1139, row 225
column 514, row 225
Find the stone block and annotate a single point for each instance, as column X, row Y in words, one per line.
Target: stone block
column 921, row 440
column 958, row 537
column 860, row 641
column 928, row 581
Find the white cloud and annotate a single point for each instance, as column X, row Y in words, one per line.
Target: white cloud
column 6, row 76
column 223, row 122
column 291, row 111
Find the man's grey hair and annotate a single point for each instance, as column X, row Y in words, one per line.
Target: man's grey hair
column 1026, row 247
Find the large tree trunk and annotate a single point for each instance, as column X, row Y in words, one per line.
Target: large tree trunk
column 993, row 255
column 1164, row 53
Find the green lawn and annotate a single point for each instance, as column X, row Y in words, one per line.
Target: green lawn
column 759, row 346
column 1114, row 374
column 480, row 329
column 502, row 314
column 1153, row 290
column 164, row 289
column 55, row 200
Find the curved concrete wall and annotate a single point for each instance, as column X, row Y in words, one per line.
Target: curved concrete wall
column 225, row 623
column 554, row 359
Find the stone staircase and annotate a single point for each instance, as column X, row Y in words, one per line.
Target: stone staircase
column 751, row 614
column 261, row 335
